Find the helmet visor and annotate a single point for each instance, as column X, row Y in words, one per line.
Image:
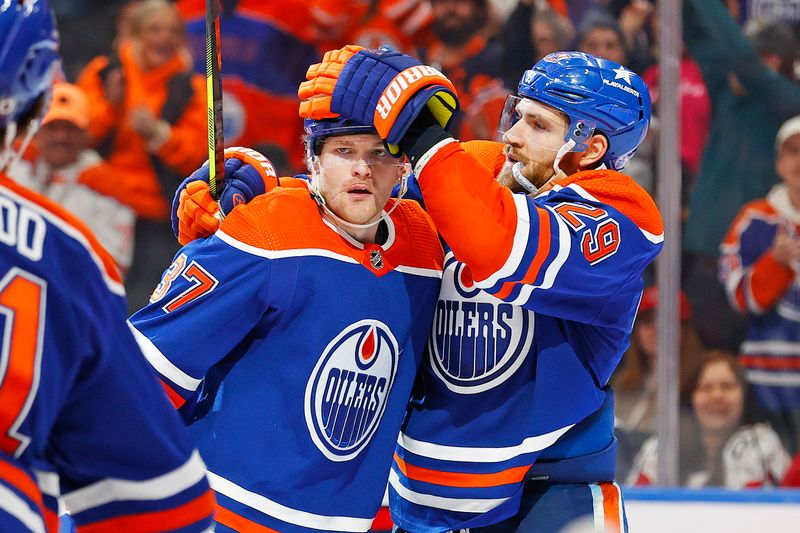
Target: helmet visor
column 540, row 125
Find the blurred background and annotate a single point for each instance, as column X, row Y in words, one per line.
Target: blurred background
column 128, row 123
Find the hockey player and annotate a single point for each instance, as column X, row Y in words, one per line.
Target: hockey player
column 539, row 292
column 290, row 339
column 499, row 391
column 79, row 408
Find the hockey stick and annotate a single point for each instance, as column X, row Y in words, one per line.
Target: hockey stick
column 216, row 142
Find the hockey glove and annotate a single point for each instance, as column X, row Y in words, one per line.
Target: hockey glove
column 381, row 87
column 195, row 214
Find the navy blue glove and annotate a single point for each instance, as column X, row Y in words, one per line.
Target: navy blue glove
column 195, row 214
column 383, row 88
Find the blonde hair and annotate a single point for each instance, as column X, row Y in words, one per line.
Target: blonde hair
column 144, row 10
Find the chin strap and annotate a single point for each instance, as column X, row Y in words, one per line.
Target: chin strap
column 10, row 157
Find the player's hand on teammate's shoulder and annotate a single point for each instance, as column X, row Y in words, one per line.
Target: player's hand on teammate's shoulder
column 195, row 213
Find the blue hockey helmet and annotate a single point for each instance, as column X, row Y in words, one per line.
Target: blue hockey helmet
column 318, row 130
column 597, row 95
column 29, row 59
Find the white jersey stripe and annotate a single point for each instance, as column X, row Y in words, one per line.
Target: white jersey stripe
column 555, row 265
column 19, row 509
column 416, row 271
column 439, row 502
column 71, row 231
column 158, row 488
column 480, row 455
column 779, row 348
column 518, row 247
column 280, row 254
column 597, row 507
column 164, row 366
column 286, row 514
column 774, row 379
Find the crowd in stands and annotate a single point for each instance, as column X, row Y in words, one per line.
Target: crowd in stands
column 128, row 123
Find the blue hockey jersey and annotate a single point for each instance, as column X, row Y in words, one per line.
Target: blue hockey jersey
column 292, row 349
column 769, row 293
column 80, row 409
column 536, row 308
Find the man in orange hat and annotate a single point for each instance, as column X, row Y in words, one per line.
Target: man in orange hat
column 61, row 166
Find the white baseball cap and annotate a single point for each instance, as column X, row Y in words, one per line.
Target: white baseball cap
column 788, row 129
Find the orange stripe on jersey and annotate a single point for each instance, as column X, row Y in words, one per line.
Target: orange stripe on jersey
column 767, row 362
column 177, row 517
column 239, row 523
column 757, row 208
column 51, row 522
column 18, row 478
column 174, row 398
column 542, row 251
column 769, row 280
column 611, row 506
column 458, row 479
column 109, row 266
column 270, row 222
column 622, row 193
column 383, row 520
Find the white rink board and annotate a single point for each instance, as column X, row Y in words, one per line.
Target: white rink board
column 712, row 511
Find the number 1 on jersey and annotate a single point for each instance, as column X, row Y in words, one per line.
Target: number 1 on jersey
column 22, row 305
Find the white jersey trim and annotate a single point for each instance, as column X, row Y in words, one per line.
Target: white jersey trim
column 774, row 379
column 518, row 247
column 782, row 348
column 439, row 502
column 49, row 483
column 281, row 254
column 564, row 248
column 70, row 230
column 19, row 509
column 161, row 363
column 416, row 271
column 158, row 488
column 287, row 514
column 427, row 156
column 480, row 455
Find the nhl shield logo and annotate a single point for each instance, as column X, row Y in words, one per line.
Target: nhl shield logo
column 349, row 388
column 376, row 259
column 477, row 341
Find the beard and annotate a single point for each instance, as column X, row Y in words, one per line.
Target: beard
column 457, row 32
column 536, row 172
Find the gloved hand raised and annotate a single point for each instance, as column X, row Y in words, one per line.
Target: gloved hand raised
column 195, row 214
column 383, row 88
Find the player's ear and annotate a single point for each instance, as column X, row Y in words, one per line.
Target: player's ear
column 598, row 146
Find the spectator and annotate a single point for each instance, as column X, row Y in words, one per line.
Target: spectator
column 463, row 53
column 532, row 31
column 761, row 258
column 635, row 382
column 266, row 48
column 401, row 24
column 148, row 119
column 751, row 97
column 601, row 35
column 723, row 440
column 61, row 166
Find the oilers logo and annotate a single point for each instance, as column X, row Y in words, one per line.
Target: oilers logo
column 477, row 341
column 348, row 390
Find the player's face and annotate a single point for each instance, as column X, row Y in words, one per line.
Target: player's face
column 787, row 164
column 534, row 140
column 718, row 398
column 358, row 175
